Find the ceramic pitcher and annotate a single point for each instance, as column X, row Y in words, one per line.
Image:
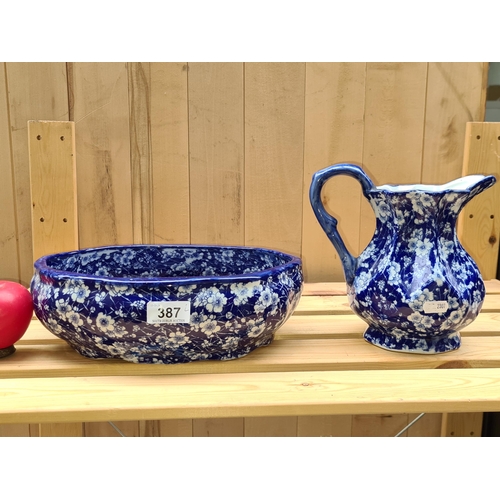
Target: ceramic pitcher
column 414, row 284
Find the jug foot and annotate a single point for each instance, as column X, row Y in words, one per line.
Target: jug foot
column 430, row 345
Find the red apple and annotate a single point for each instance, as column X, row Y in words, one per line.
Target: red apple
column 16, row 312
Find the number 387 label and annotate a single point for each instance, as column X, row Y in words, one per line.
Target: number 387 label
column 169, row 312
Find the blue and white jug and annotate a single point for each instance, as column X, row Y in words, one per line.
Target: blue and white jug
column 414, row 284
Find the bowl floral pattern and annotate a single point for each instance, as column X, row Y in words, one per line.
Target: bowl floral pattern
column 166, row 303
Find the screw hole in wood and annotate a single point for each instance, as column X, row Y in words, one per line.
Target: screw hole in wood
column 65, row 220
column 62, row 137
column 41, row 219
column 39, row 137
column 471, row 216
column 478, row 137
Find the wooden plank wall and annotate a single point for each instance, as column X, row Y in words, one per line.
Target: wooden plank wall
column 223, row 153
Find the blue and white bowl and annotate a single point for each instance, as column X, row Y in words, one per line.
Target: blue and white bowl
column 166, row 303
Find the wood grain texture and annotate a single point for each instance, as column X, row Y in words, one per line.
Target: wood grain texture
column 15, row 430
column 324, row 426
column 101, row 113
column 384, row 425
column 462, row 424
column 104, row 429
column 274, row 155
column 333, row 134
column 53, row 187
column 218, row 427
column 216, row 139
column 454, row 97
column 393, row 133
column 478, row 227
column 66, row 429
column 139, row 93
column 311, row 354
column 96, row 399
column 36, row 91
column 9, row 264
column 176, row 428
column 271, row 426
column 427, row 426
column 170, row 152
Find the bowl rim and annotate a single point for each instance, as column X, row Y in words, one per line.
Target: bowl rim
column 42, row 268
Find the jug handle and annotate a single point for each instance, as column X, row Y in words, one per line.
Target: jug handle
column 329, row 223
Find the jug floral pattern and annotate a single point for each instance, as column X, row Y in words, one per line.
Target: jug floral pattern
column 414, row 284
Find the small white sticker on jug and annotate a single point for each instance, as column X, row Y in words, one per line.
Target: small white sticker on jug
column 169, row 312
column 435, row 306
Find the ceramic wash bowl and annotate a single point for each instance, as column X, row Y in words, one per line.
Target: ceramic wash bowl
column 166, row 303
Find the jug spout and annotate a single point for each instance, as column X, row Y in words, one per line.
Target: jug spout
column 471, row 185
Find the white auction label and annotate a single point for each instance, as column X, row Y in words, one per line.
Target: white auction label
column 435, row 306
column 169, row 312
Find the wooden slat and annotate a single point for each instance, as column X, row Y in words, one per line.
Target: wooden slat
column 67, row 429
column 274, row 139
column 281, row 355
column 479, row 227
column 216, row 153
column 385, row 425
column 218, row 427
column 324, row 425
column 170, row 152
column 462, row 424
column 101, row 114
column 9, row 263
column 271, row 426
column 427, row 426
column 15, row 430
column 36, row 91
column 53, row 187
column 352, row 327
column 333, row 134
column 453, row 99
column 139, row 93
column 257, row 394
column 105, row 429
column 339, row 288
column 393, row 133
column 176, row 428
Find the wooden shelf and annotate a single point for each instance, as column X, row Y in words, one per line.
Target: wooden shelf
column 318, row 365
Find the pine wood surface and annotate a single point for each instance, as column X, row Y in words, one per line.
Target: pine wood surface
column 54, row 210
column 45, row 381
column 478, row 226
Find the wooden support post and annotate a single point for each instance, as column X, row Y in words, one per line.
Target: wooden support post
column 478, row 231
column 479, row 223
column 462, row 425
column 53, row 186
column 53, row 207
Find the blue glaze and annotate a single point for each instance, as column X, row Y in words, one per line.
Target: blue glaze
column 96, row 300
column 414, row 284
